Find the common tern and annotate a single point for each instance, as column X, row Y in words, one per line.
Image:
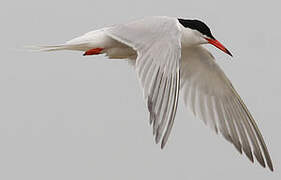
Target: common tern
column 168, row 57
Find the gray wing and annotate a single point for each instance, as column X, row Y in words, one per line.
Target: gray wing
column 211, row 97
column 158, row 45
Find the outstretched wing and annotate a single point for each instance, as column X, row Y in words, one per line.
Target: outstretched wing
column 211, row 97
column 157, row 41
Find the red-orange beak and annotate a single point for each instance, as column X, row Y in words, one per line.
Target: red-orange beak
column 218, row 45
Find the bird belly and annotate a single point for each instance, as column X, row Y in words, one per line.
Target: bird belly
column 121, row 53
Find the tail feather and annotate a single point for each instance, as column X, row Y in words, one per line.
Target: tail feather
column 90, row 40
column 77, row 47
column 47, row 48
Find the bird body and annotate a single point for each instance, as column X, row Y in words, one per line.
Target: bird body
column 169, row 58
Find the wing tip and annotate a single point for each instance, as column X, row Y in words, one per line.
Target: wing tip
column 249, row 155
column 270, row 167
column 162, row 144
column 269, row 164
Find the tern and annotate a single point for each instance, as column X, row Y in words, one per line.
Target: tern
column 169, row 58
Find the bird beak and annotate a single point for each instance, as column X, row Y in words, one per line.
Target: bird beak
column 218, row 45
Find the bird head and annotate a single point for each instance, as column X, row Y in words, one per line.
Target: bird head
column 202, row 33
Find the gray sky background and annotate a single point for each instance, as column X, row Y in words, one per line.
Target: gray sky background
column 65, row 116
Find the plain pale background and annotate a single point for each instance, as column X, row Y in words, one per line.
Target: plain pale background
column 65, row 116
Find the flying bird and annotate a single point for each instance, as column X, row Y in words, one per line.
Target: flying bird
column 169, row 58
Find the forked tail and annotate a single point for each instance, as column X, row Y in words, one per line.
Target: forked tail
column 78, row 47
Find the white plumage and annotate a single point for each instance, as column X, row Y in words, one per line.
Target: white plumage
column 169, row 58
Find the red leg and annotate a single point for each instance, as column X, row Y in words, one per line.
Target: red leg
column 94, row 51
